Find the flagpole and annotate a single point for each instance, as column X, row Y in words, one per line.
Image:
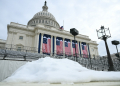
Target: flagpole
column 63, row 24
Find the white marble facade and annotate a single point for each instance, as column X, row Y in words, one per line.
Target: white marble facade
column 42, row 23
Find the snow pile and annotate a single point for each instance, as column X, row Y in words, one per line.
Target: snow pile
column 49, row 70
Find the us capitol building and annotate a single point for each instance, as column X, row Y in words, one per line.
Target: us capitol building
column 30, row 36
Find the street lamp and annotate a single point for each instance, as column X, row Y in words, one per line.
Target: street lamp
column 74, row 32
column 114, row 42
column 104, row 33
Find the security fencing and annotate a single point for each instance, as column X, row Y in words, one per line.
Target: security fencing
column 20, row 48
column 98, row 63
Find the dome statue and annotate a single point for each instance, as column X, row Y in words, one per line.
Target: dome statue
column 44, row 17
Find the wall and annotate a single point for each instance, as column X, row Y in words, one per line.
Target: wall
column 93, row 50
column 31, row 36
column 15, row 30
column 9, row 67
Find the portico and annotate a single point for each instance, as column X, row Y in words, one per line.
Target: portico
column 41, row 30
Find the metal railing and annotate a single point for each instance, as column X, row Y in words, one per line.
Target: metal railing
column 99, row 63
column 23, row 48
column 35, row 50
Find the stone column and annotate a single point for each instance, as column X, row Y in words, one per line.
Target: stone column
column 12, row 40
column 81, row 48
column 87, row 49
column 71, row 47
column 41, row 43
column 63, row 47
column 36, row 41
column 12, row 37
column 54, row 45
column 78, row 48
column 27, row 41
column 51, row 45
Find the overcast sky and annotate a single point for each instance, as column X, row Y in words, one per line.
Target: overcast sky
column 84, row 15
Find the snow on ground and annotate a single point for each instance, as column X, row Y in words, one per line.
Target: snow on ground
column 49, row 70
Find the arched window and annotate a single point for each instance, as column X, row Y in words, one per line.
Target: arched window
column 39, row 21
column 42, row 21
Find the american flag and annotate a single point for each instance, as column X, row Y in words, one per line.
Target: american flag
column 46, row 46
column 67, row 47
column 61, row 27
column 59, row 46
column 73, row 46
column 84, row 50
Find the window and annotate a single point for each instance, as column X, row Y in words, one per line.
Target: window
column 19, row 49
column 51, row 22
column 20, row 37
column 93, row 56
column 42, row 21
column 36, row 21
column 39, row 21
column 46, row 21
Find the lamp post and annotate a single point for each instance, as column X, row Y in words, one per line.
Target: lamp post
column 104, row 33
column 114, row 42
column 74, row 32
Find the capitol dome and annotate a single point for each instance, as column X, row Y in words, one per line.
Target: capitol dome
column 44, row 17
